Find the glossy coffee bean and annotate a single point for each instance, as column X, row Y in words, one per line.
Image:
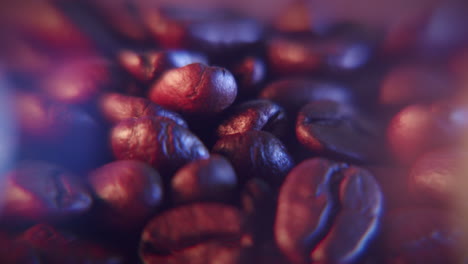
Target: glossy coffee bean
column 210, row 179
column 293, row 93
column 408, row 84
column 128, row 191
column 36, row 191
column 434, row 177
column 317, row 205
column 254, row 115
column 337, row 130
column 78, row 80
column 308, row 54
column 362, row 205
column 148, row 66
column 256, row 154
column 176, row 234
column 421, row 235
column 163, row 144
column 118, row 107
column 250, row 73
column 195, row 89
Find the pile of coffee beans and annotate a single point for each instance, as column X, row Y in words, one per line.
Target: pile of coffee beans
column 167, row 135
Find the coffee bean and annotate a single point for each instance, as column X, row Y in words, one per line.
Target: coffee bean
column 293, row 93
column 36, row 191
column 255, row 115
column 250, row 73
column 195, row 89
column 338, row 131
column 163, row 144
column 256, row 154
column 210, row 179
column 128, row 191
column 118, row 107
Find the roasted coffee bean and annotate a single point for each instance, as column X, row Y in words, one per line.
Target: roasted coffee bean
column 434, row 177
column 58, row 132
column 36, row 191
column 78, row 80
column 118, row 107
column 210, row 179
column 128, row 191
column 293, row 93
column 148, row 66
column 250, row 73
column 421, row 235
column 337, row 130
column 362, row 205
column 254, row 115
column 256, row 154
column 208, row 231
column 163, row 144
column 309, row 54
column 195, row 89
column 318, row 204
column 408, row 84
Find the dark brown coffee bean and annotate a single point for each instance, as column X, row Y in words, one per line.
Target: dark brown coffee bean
column 163, row 144
column 77, row 81
column 40, row 191
column 356, row 224
column 293, row 93
column 409, row 84
column 434, row 177
column 250, row 73
column 118, row 107
column 209, row 179
column 195, row 89
column 148, row 66
column 308, row 54
column 129, row 191
column 307, row 204
column 421, row 235
column 254, row 115
column 176, row 234
column 256, row 154
column 338, row 131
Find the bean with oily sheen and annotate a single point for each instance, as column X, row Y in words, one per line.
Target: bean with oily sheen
column 128, row 192
column 337, row 130
column 195, row 89
column 261, row 115
column 163, row 144
column 209, row 179
column 36, row 191
column 118, row 107
column 293, row 93
column 256, row 154
column 193, row 230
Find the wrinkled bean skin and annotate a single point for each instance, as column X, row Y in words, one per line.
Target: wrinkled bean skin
column 163, row 144
column 36, row 191
column 338, row 131
column 128, row 191
column 195, row 89
column 148, row 66
column 434, row 176
column 362, row 205
column 255, row 115
column 293, row 93
column 256, row 154
column 118, row 107
column 209, row 179
column 77, row 81
column 192, row 230
column 420, row 235
column 306, row 207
